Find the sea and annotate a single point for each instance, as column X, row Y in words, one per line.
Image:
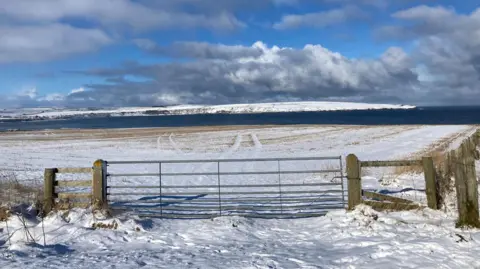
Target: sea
column 418, row 116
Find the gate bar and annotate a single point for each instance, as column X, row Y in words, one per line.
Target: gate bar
column 229, row 160
column 227, row 173
column 225, row 193
column 226, row 186
column 219, row 191
column 160, row 179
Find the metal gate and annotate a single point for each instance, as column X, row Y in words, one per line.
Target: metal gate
column 266, row 188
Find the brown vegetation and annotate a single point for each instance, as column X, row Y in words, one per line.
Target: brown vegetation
column 4, row 213
column 14, row 191
column 436, row 150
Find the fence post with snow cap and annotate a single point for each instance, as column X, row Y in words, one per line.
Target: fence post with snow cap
column 99, row 190
column 354, row 181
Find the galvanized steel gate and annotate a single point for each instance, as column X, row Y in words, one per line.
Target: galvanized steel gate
column 267, row 188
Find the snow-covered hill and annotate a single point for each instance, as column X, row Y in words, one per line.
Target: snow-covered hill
column 55, row 113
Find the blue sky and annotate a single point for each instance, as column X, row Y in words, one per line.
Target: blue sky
column 147, row 52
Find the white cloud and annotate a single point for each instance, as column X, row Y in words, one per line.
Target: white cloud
column 444, row 62
column 53, row 97
column 47, row 42
column 39, row 30
column 199, row 50
column 30, row 93
column 78, row 90
column 320, row 19
column 272, row 73
column 446, row 50
column 425, row 13
column 113, row 13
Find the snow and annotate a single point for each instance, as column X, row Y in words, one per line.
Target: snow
column 52, row 113
column 359, row 239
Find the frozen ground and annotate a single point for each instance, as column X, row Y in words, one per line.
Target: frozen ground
column 359, row 239
column 52, row 113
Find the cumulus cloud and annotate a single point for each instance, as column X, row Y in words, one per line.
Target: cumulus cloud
column 447, row 51
column 442, row 66
column 31, row 97
column 425, row 21
column 199, row 50
column 28, row 93
column 41, row 30
column 46, row 42
column 53, row 97
column 112, row 13
column 274, row 74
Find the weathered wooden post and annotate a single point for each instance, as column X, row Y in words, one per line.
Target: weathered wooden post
column 49, row 178
column 99, row 187
column 447, row 165
column 469, row 149
column 354, row 181
column 460, row 185
column 430, row 183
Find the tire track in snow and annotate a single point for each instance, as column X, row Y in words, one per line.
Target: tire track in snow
column 256, row 142
column 159, row 143
column 175, row 146
column 235, row 147
column 172, row 143
column 257, row 148
column 230, row 151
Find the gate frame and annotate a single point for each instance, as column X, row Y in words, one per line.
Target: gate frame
column 339, row 170
column 355, row 192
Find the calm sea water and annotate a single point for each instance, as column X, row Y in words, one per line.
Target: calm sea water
column 425, row 115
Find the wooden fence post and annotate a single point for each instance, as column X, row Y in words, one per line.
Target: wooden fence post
column 430, row 183
column 354, row 181
column 49, row 178
column 99, row 197
column 469, row 149
column 447, row 165
column 460, row 186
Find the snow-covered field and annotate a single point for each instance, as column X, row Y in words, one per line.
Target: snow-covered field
column 359, row 239
column 53, row 113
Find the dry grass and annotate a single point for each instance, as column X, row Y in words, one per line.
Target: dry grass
column 4, row 213
column 439, row 152
column 436, row 150
column 437, row 155
column 15, row 192
column 108, row 134
column 444, row 179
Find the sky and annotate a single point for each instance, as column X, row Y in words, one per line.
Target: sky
column 71, row 53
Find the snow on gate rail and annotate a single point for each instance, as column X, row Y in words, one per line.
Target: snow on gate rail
column 266, row 188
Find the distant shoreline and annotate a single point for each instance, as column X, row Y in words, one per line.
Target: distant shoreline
column 373, row 117
column 290, row 107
